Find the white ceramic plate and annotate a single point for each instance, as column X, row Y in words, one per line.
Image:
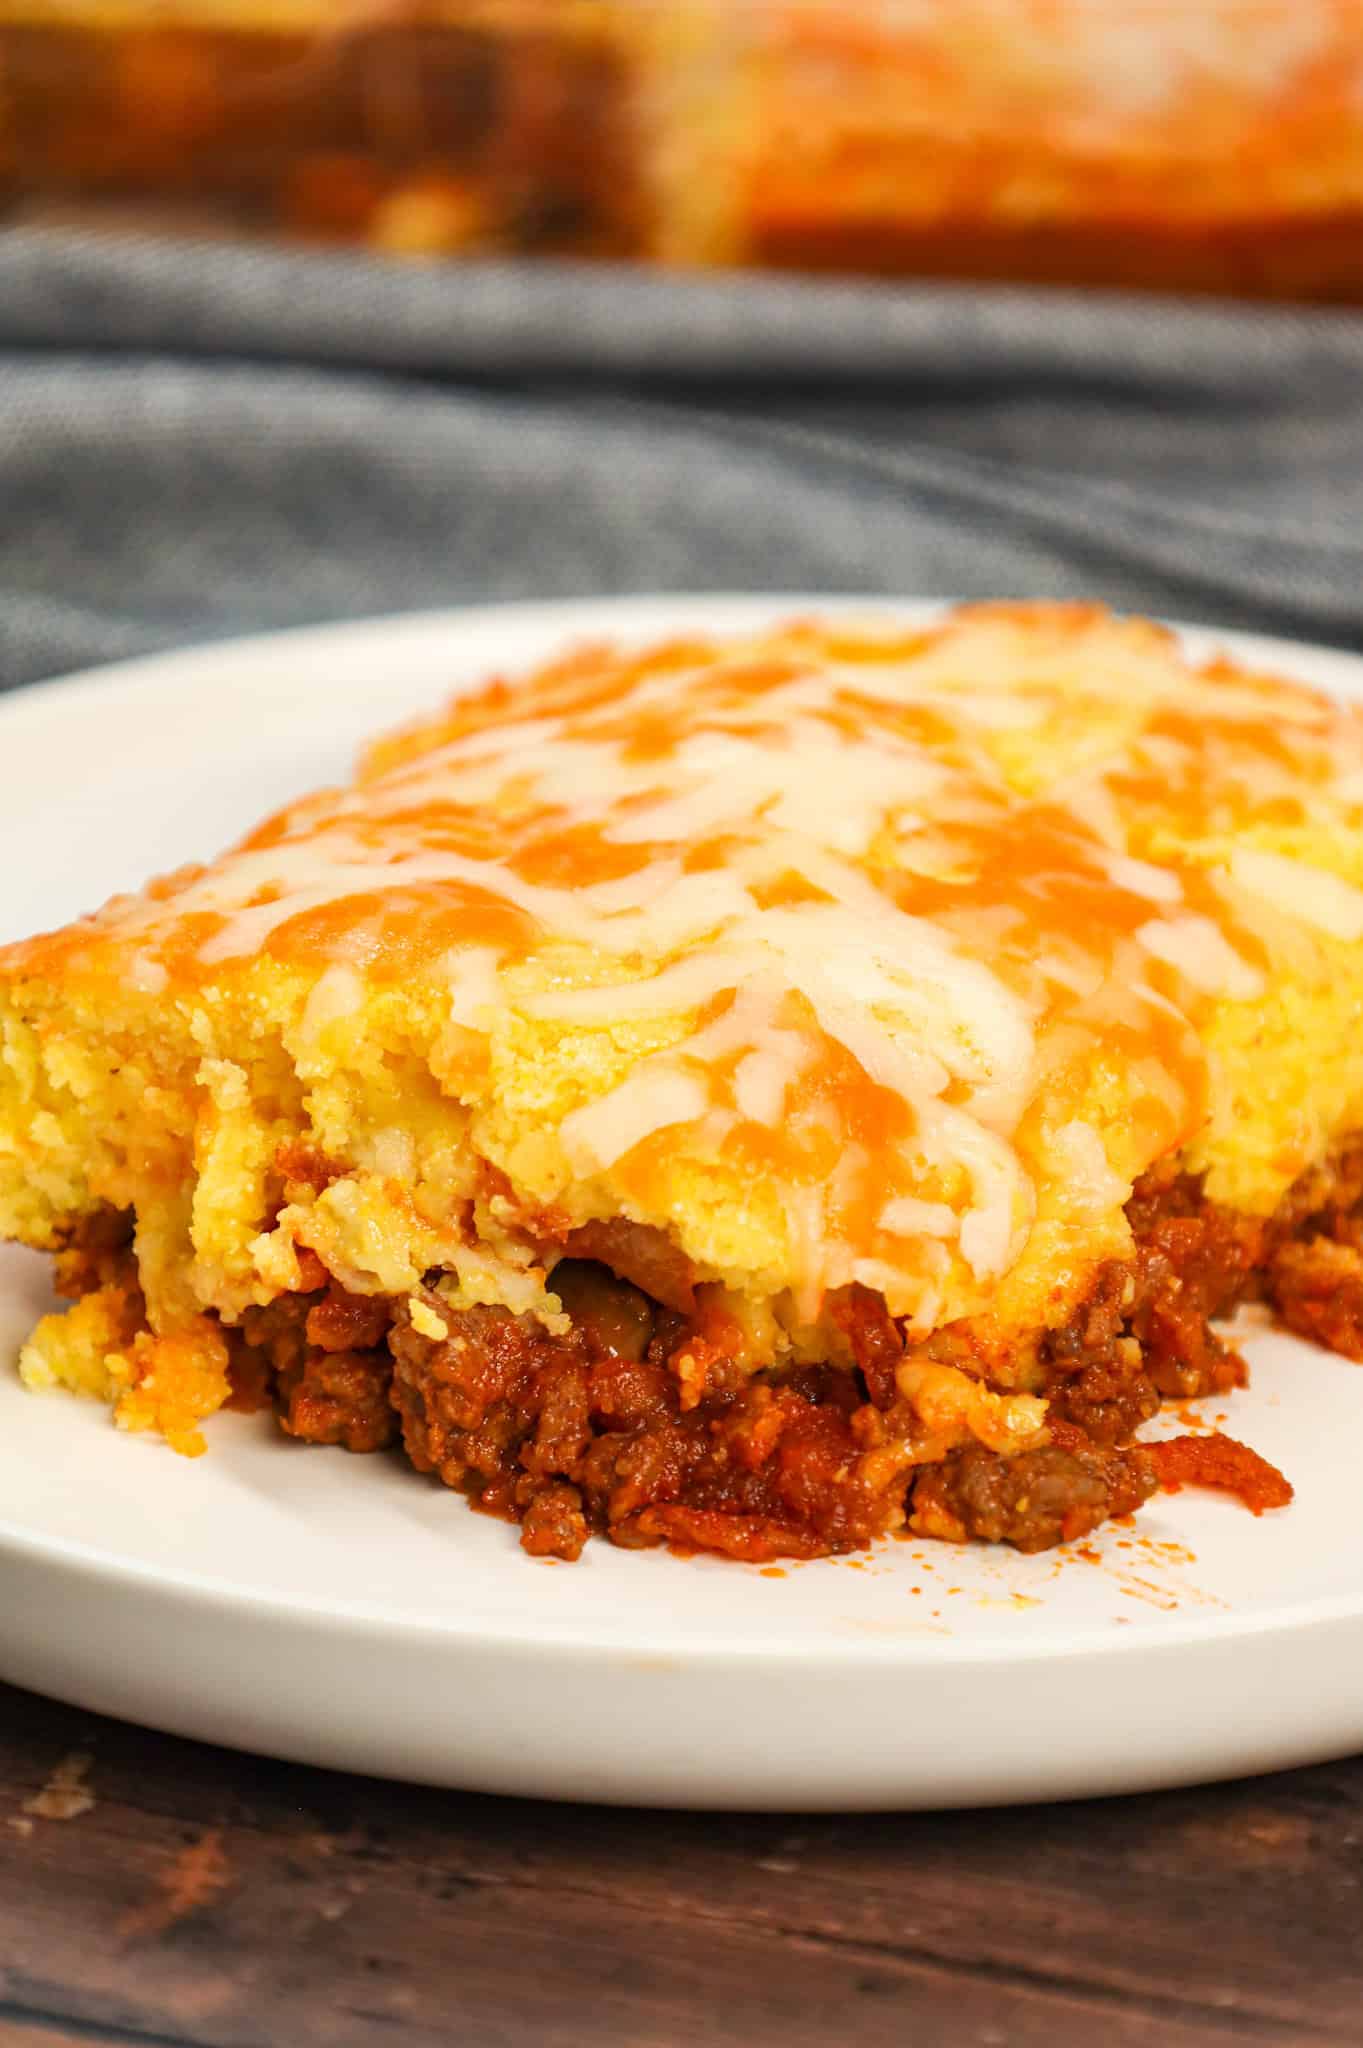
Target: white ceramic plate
column 346, row 1612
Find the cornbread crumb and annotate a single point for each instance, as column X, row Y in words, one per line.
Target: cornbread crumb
column 80, row 1347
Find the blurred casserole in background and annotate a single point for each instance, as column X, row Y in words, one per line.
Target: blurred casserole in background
column 1174, row 144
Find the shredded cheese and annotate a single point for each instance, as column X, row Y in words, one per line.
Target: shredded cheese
column 869, row 925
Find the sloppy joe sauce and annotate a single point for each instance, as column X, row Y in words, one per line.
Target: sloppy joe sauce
column 1221, row 1462
column 634, row 1426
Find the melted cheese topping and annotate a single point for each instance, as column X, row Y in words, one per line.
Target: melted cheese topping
column 888, row 897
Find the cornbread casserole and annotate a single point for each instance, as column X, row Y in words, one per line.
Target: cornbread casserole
column 751, row 1095
column 1215, row 147
column 416, row 126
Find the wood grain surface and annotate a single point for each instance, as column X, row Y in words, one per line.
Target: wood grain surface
column 158, row 1892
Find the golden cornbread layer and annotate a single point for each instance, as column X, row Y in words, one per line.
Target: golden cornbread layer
column 833, row 987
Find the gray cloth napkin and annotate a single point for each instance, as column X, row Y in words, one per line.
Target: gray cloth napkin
column 197, row 441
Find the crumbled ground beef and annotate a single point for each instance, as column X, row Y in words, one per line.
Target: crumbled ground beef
column 1194, row 1262
column 877, row 1345
column 636, row 1425
column 1316, row 1286
column 1146, row 1333
column 1096, row 1370
column 1037, row 1499
column 339, row 1397
column 577, row 1437
column 327, row 1365
column 1109, row 1398
column 1314, row 1277
column 341, row 1321
column 553, row 1524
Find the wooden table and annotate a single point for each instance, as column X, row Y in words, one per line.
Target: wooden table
column 157, row 1892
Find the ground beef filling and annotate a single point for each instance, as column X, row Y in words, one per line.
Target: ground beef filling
column 588, row 1433
column 1037, row 1499
column 1313, row 1277
column 634, row 1424
column 1145, row 1334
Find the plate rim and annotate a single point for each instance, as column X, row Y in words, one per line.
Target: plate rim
column 1044, row 1642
